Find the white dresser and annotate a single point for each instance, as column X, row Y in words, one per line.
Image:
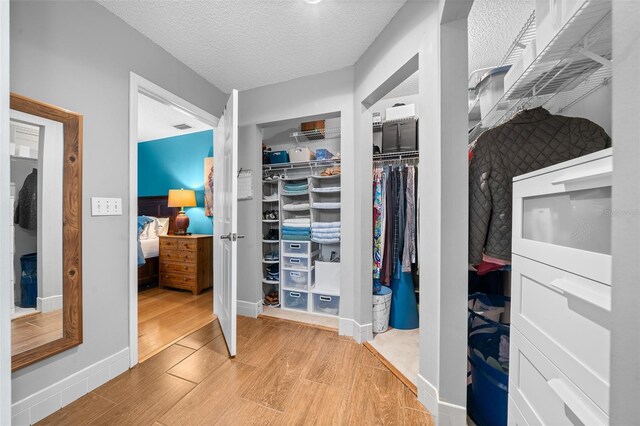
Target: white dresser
column 561, row 294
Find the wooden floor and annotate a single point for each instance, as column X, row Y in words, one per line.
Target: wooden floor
column 34, row 330
column 165, row 316
column 284, row 374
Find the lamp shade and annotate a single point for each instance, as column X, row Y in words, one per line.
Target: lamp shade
column 182, row 198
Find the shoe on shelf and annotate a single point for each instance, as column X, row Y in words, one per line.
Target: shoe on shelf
column 272, row 235
column 274, row 255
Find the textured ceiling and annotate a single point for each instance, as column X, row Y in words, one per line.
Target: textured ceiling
column 156, row 120
column 493, row 25
column 242, row 44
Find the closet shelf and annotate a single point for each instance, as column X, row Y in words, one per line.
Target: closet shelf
column 301, row 165
column 396, row 156
column 313, row 135
column 333, row 191
column 271, row 241
column 288, row 194
column 326, row 177
column 325, row 208
column 270, row 262
column 270, row 220
column 573, row 65
column 270, row 281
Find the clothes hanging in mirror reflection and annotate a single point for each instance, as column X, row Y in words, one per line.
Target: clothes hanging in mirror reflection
column 26, row 213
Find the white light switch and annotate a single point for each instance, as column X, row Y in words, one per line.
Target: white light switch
column 106, row 206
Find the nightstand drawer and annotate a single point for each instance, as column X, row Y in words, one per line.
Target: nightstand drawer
column 178, row 255
column 176, row 267
column 178, row 280
column 178, row 244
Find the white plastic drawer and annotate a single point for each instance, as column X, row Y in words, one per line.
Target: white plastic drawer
column 514, row 416
column 295, row 247
column 295, row 262
column 297, row 280
column 563, row 217
column 296, row 300
column 567, row 317
column 326, row 304
column 543, row 394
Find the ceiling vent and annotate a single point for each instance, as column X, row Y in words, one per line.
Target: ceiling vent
column 182, row 126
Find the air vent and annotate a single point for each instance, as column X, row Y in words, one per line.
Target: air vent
column 182, row 126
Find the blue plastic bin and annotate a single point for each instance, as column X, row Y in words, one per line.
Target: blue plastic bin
column 488, row 392
column 278, row 157
column 29, row 280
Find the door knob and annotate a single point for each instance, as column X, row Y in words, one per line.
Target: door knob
column 226, row 237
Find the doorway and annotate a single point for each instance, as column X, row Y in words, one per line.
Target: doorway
column 171, row 225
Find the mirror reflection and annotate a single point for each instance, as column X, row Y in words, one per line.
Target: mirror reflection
column 36, row 149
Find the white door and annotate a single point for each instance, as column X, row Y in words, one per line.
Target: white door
column 225, row 251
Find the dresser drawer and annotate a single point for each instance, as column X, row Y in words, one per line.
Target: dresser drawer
column 566, row 317
column 179, row 244
column 176, row 267
column 178, row 280
column 178, row 255
column 563, row 217
column 542, row 393
column 514, row 416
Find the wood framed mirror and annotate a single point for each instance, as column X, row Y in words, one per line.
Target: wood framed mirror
column 46, row 196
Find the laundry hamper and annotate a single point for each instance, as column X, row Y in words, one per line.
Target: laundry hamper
column 381, row 309
column 29, row 280
column 487, row 395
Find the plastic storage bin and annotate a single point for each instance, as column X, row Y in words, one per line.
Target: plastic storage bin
column 551, row 17
column 295, row 262
column 278, row 157
column 295, row 280
column 29, row 280
column 296, row 300
column 328, row 276
column 491, row 89
column 301, row 155
column 487, row 395
column 295, row 247
column 326, row 304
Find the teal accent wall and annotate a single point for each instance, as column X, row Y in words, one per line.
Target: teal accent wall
column 174, row 163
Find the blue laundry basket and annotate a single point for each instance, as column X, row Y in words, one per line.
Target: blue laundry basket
column 487, row 395
column 29, row 280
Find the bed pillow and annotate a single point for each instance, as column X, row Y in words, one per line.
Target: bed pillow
column 150, row 229
column 162, row 226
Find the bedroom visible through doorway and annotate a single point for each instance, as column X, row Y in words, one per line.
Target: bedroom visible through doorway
column 175, row 224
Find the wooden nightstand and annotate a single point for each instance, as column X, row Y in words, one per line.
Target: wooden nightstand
column 186, row 262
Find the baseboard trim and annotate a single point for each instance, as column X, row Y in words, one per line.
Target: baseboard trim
column 48, row 304
column 249, row 309
column 36, row 407
column 443, row 412
column 360, row 333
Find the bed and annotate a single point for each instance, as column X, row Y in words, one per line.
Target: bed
column 155, row 206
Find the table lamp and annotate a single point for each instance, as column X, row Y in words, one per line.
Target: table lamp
column 182, row 198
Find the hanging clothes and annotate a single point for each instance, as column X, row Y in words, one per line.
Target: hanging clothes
column 379, row 219
column 26, row 213
column 387, row 268
column 409, row 250
column 532, row 140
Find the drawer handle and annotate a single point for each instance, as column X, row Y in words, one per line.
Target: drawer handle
column 295, row 274
column 294, row 246
column 578, row 177
column 586, row 415
column 294, row 260
column 570, row 288
column 292, row 294
column 325, row 298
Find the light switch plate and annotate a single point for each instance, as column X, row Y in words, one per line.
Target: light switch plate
column 106, row 206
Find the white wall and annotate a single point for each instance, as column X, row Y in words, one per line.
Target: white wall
column 595, row 107
column 303, row 97
column 77, row 55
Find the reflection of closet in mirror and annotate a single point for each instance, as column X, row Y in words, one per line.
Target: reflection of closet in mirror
column 36, row 149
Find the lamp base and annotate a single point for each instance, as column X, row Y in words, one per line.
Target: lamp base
column 182, row 223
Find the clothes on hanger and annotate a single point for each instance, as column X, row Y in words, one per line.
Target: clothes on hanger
column 531, row 140
column 26, row 213
column 394, row 222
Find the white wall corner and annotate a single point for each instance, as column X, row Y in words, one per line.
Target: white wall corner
column 41, row 404
column 360, row 333
column 443, row 412
column 48, row 304
column 249, row 309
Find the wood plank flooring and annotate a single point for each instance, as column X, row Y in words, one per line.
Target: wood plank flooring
column 284, row 374
column 35, row 330
column 165, row 316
